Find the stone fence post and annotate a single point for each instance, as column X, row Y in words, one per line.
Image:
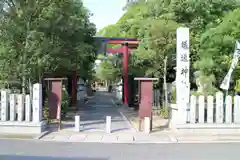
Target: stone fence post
column 37, row 103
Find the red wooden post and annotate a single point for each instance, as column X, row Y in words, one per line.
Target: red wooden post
column 54, row 96
column 125, row 74
column 145, row 97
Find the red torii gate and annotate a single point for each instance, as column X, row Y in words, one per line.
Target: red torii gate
column 128, row 44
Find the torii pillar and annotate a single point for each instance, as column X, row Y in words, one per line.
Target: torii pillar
column 125, row 72
column 127, row 45
column 125, row 51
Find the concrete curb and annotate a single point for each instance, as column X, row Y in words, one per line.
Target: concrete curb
column 18, row 139
column 199, row 142
column 42, row 135
column 145, row 142
column 111, row 142
column 125, row 118
column 173, row 138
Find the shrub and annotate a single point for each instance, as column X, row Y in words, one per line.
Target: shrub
column 46, row 115
column 65, row 102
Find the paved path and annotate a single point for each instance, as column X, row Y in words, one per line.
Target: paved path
column 38, row 150
column 93, row 115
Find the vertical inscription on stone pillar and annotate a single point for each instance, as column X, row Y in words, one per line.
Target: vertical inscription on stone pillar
column 182, row 76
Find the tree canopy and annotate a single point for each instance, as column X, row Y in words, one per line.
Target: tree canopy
column 43, row 36
column 214, row 28
column 217, row 48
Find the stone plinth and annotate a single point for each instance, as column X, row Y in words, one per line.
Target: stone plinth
column 22, row 127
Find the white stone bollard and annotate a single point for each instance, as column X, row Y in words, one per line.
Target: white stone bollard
column 108, row 124
column 77, row 123
column 147, row 125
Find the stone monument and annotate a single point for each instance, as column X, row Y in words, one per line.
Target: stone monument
column 182, row 75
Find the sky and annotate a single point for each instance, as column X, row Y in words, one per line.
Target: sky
column 105, row 12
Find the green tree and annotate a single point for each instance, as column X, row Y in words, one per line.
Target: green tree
column 39, row 36
column 154, row 23
column 217, row 47
column 157, row 42
column 108, row 70
column 110, row 31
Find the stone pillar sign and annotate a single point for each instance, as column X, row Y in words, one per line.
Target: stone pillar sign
column 182, row 75
column 37, row 103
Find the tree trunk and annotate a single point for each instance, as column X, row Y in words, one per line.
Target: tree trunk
column 165, row 83
column 25, row 61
